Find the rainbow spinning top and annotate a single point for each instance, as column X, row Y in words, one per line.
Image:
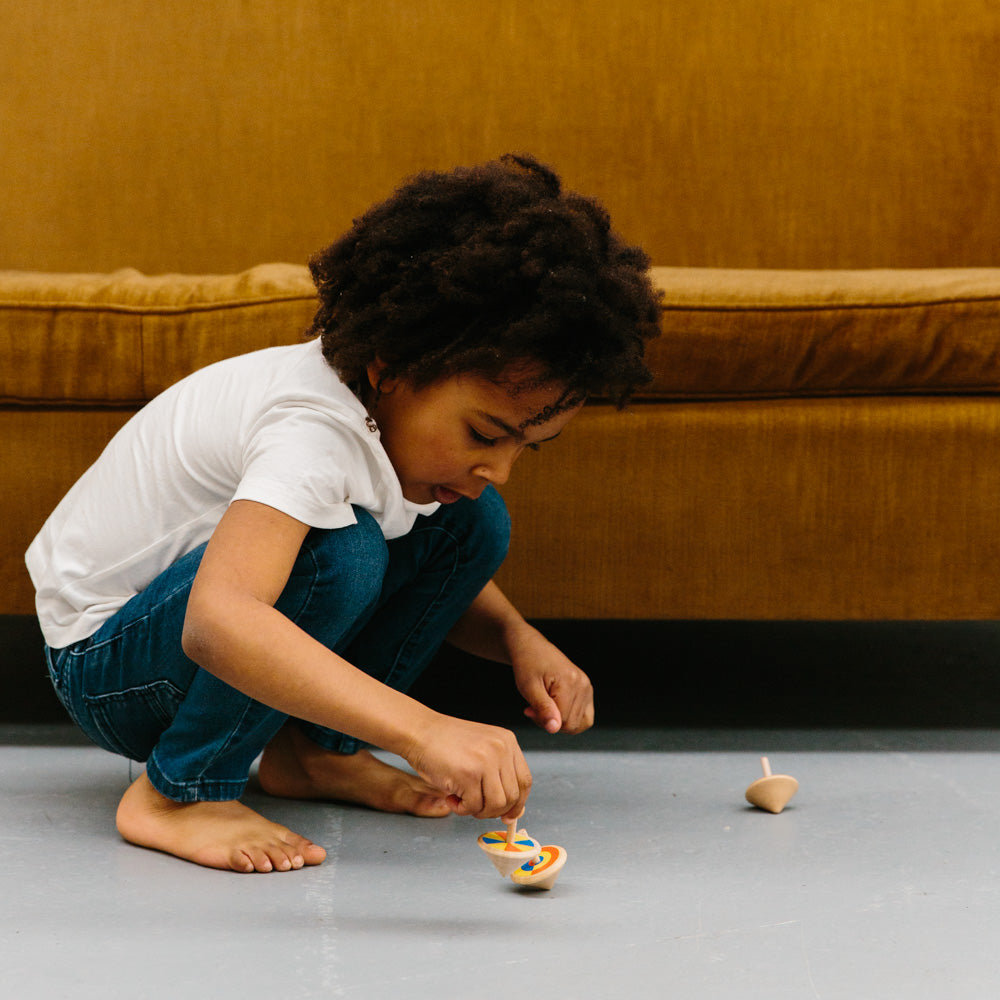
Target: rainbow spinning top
column 543, row 871
column 509, row 850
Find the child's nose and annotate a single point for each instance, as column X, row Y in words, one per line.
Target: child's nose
column 497, row 472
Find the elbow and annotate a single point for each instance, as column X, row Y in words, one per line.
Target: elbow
column 196, row 636
column 190, row 641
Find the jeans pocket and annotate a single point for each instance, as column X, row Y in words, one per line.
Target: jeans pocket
column 130, row 722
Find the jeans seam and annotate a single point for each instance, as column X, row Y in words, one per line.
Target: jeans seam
column 214, row 789
column 132, row 623
column 313, row 578
column 220, row 751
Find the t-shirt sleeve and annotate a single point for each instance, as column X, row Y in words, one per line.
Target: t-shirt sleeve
column 301, row 461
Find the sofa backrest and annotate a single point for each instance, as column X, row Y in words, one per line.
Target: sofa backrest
column 207, row 138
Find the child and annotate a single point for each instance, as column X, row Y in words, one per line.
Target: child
column 269, row 553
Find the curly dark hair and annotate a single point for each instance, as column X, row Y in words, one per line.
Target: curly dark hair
column 488, row 270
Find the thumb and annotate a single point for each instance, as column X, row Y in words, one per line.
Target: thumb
column 542, row 709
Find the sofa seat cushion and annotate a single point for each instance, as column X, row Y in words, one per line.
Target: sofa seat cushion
column 754, row 333
column 119, row 339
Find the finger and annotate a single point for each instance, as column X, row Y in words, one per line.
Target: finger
column 581, row 718
column 550, row 724
column 517, row 782
column 544, row 710
column 496, row 799
column 579, row 714
column 467, row 801
column 524, row 780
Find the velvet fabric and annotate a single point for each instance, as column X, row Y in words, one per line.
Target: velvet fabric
column 209, row 137
column 817, row 183
column 815, row 445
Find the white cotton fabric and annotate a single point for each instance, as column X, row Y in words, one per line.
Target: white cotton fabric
column 276, row 426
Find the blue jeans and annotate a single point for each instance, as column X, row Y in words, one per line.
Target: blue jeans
column 384, row 606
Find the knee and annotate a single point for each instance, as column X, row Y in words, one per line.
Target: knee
column 489, row 530
column 345, row 566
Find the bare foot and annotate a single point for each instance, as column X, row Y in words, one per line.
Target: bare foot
column 295, row 767
column 226, row 835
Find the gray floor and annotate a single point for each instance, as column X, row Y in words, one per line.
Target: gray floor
column 882, row 879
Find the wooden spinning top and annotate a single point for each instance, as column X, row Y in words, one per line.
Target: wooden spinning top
column 773, row 791
column 509, row 850
column 542, row 872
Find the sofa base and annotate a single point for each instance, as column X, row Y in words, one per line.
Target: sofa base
column 758, row 675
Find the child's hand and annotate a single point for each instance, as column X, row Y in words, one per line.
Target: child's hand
column 559, row 694
column 480, row 768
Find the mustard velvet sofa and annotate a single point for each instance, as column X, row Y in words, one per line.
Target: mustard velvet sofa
column 816, row 445
column 817, row 184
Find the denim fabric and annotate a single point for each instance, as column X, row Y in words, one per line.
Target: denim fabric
column 384, row 606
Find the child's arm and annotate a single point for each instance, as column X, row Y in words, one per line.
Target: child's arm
column 233, row 630
column 559, row 694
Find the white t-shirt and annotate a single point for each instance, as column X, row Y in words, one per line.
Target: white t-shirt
column 276, row 426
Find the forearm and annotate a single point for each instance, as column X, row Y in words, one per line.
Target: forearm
column 257, row 650
column 491, row 627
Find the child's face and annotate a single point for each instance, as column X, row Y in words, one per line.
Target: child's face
column 455, row 437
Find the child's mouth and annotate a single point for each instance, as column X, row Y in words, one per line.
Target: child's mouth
column 444, row 495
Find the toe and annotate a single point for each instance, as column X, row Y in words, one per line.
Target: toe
column 312, row 854
column 433, row 806
column 241, row 862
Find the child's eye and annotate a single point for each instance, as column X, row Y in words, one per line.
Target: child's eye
column 488, row 442
column 482, row 438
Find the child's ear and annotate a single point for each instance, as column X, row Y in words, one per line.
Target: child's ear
column 377, row 379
